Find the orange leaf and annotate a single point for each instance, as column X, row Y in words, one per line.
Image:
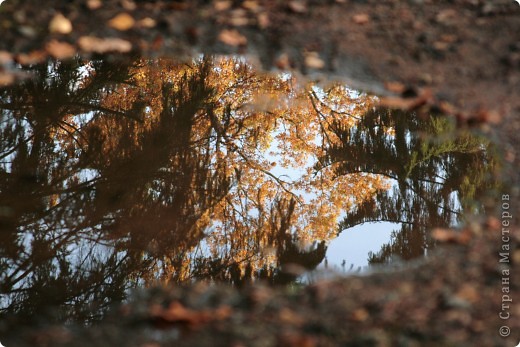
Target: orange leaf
column 97, row 45
column 232, row 38
column 122, row 22
column 60, row 50
column 60, row 25
column 451, row 236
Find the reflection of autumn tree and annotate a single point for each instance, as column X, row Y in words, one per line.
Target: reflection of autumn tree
column 207, row 127
column 114, row 175
column 436, row 176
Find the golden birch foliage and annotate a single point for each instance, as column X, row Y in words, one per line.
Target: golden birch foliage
column 250, row 125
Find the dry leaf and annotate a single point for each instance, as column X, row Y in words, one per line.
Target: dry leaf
column 94, row 4
column 395, row 87
column 360, row 315
column 297, row 6
column 147, row 22
column 468, row 293
column 238, row 18
column 361, row 18
column 60, row 50
column 222, row 5
column 396, row 103
column 263, row 20
column 251, row 5
column 60, row 25
column 451, row 236
column 128, row 5
column 97, row 45
column 5, row 57
column 425, row 97
column 177, row 313
column 232, row 38
column 6, row 79
column 313, row 61
column 446, row 16
column 35, row 57
column 122, row 22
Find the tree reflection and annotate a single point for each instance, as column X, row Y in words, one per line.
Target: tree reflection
column 436, row 175
column 117, row 175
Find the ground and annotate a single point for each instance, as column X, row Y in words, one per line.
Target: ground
column 459, row 56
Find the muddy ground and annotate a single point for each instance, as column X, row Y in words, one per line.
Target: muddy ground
column 459, row 56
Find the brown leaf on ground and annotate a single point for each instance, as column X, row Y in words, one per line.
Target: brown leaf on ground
column 469, row 293
column 297, row 6
column 263, row 20
column 177, row 313
column 34, row 57
column 313, row 61
column 60, row 50
column 452, row 236
column 232, row 38
column 361, row 18
column 425, row 97
column 222, row 5
column 60, row 25
column 6, row 79
column 94, row 4
column 122, row 22
column 147, row 23
column 98, row 45
column 395, row 87
column 5, row 57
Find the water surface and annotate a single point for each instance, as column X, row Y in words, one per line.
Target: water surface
column 119, row 175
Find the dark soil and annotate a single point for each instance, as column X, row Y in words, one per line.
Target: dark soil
column 459, row 56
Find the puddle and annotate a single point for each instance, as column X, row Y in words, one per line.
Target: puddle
column 115, row 176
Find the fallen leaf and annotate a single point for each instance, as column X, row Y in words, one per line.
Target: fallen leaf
column 263, row 20
column 6, row 79
column 122, row 22
column 468, row 293
column 98, row 45
column 222, row 5
column 424, row 97
column 5, row 57
column 60, row 50
column 360, row 315
column 446, row 16
column 94, row 4
column 128, row 5
column 238, row 18
column 395, row 87
column 297, row 6
column 34, row 57
column 147, row 23
column 251, row 5
column 451, row 236
column 396, row 103
column 488, row 116
column 60, row 25
column 313, row 61
column 176, row 313
column 361, row 18
column 232, row 38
